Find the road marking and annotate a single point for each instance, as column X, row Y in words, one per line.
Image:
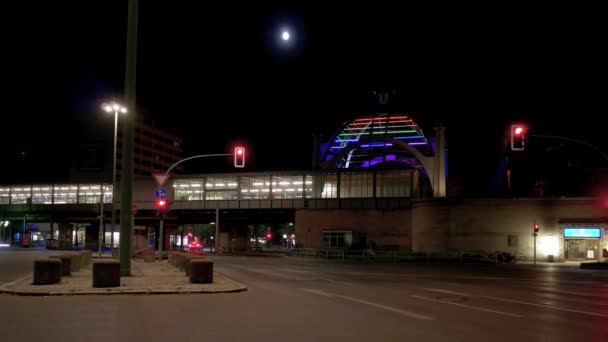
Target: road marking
column 14, row 281
column 552, row 296
column 448, row 292
column 426, row 275
column 546, row 306
column 376, row 305
column 557, row 290
column 325, row 279
column 467, row 306
column 336, row 281
column 267, row 272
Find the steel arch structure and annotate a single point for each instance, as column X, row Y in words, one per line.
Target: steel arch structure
column 369, row 141
column 392, row 139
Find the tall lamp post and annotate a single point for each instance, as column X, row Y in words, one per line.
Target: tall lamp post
column 116, row 108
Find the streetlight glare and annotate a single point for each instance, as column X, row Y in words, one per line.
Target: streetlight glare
column 285, row 35
column 113, row 107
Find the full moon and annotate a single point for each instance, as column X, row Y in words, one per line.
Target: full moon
column 285, row 35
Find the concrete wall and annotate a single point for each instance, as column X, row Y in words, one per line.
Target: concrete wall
column 461, row 225
column 387, row 228
column 487, row 224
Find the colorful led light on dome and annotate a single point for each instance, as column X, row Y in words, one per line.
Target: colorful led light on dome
column 377, row 145
column 410, row 137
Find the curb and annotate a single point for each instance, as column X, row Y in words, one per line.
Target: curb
column 116, row 291
column 123, row 292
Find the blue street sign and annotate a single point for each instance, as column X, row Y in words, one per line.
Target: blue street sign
column 160, row 193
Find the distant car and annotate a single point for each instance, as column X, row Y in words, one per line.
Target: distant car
column 194, row 247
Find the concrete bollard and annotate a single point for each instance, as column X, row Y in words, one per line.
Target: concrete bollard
column 170, row 257
column 75, row 258
column 149, row 256
column 201, row 271
column 106, row 273
column 66, row 261
column 180, row 261
column 87, row 255
column 115, row 254
column 47, row 271
column 189, row 258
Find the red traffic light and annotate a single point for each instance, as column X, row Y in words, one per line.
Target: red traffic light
column 269, row 236
column 518, row 137
column 239, row 157
column 536, row 227
column 162, row 204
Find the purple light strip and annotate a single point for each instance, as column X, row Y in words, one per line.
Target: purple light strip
column 417, row 143
column 338, row 147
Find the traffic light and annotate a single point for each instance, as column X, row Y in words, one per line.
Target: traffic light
column 269, row 236
column 162, row 204
column 536, row 228
column 239, row 157
column 518, row 135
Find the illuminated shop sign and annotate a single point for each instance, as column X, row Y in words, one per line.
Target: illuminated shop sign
column 594, row 232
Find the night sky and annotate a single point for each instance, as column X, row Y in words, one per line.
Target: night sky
column 217, row 74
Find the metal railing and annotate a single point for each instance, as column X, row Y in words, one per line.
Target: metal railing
column 394, row 256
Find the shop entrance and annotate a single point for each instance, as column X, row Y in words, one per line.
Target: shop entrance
column 582, row 249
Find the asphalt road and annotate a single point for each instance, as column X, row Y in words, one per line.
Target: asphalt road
column 293, row 299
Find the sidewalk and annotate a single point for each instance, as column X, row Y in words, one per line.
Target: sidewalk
column 146, row 278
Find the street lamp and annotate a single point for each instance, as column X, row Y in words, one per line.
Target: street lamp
column 114, row 107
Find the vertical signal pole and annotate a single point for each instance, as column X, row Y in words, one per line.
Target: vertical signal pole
column 536, row 229
column 126, row 195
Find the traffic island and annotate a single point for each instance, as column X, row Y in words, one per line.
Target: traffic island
column 147, row 278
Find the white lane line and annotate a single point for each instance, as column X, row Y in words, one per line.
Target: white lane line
column 336, row 281
column 325, row 279
column 447, row 291
column 14, row 281
column 425, row 275
column 558, row 290
column 546, row 306
column 467, row 306
column 551, row 296
column 376, row 305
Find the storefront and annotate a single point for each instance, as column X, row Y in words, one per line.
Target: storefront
column 583, row 242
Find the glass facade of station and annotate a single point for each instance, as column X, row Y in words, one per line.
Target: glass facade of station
column 265, row 186
column 56, row 194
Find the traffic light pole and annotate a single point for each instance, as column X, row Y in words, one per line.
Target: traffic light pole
column 572, row 140
column 161, row 236
column 162, row 214
column 534, row 234
column 195, row 157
